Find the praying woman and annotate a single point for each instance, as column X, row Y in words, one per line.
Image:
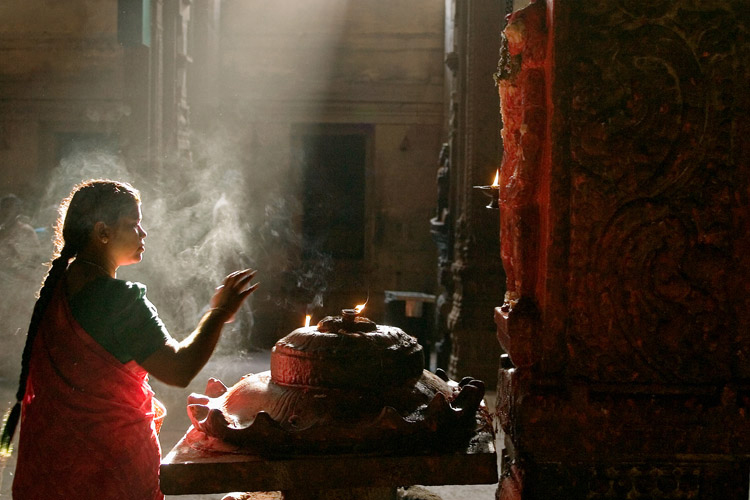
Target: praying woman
column 89, row 421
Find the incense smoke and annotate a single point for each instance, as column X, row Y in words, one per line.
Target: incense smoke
column 204, row 219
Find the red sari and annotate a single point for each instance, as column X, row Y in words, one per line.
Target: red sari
column 87, row 422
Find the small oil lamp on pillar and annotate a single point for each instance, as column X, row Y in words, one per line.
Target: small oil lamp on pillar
column 493, row 192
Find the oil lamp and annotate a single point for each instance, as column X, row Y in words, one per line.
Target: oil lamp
column 493, row 192
column 349, row 315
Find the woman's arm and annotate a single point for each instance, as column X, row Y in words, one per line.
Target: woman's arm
column 176, row 363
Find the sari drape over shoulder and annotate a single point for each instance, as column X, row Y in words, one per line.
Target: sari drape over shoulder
column 88, row 421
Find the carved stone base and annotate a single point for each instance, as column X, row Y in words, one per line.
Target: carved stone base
column 625, row 480
column 627, row 442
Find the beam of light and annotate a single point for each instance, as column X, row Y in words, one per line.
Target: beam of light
column 198, row 213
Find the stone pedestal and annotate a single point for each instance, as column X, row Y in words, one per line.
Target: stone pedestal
column 199, row 464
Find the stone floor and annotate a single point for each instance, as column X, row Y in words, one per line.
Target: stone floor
column 228, row 368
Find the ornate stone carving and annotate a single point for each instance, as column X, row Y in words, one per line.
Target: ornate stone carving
column 657, row 194
column 440, row 225
column 628, row 306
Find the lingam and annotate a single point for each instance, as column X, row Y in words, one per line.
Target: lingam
column 344, row 385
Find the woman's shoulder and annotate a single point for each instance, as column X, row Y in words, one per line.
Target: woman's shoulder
column 111, row 293
column 124, row 286
column 126, row 291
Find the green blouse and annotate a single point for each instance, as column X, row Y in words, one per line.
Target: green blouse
column 117, row 314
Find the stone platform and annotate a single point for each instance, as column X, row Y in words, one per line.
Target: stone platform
column 201, row 465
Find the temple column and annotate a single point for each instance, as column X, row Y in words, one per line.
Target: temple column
column 471, row 157
column 625, row 222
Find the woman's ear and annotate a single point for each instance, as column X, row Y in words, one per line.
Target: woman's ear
column 101, row 232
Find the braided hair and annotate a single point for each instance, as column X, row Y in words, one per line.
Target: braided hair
column 88, row 203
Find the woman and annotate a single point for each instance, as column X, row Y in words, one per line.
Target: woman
column 88, row 414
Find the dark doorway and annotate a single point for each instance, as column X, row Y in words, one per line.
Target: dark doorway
column 333, row 163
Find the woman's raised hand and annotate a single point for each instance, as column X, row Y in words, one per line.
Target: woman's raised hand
column 230, row 295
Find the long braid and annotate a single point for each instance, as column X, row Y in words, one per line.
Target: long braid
column 88, row 202
column 55, row 273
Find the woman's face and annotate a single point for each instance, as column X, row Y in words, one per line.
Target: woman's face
column 126, row 242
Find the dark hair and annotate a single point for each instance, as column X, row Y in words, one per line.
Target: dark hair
column 88, row 203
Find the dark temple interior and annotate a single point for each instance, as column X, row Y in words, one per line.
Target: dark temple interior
column 599, row 286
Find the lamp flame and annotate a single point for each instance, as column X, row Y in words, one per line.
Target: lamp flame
column 496, row 183
column 359, row 308
column 307, row 320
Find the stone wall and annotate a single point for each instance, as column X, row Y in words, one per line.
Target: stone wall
column 61, row 73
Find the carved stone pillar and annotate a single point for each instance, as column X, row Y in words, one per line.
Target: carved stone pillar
column 177, row 59
column 137, row 97
column 203, row 74
column 157, row 84
column 473, row 157
column 625, row 228
column 156, row 88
